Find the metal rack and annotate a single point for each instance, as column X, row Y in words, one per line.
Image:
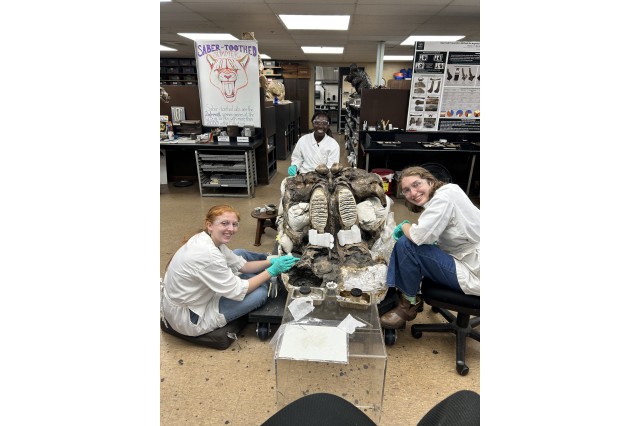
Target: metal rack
column 225, row 173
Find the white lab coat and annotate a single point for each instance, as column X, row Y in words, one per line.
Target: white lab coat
column 452, row 221
column 307, row 155
column 198, row 276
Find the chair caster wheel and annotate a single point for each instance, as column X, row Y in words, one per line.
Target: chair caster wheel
column 390, row 336
column 462, row 368
column 416, row 333
column 262, row 330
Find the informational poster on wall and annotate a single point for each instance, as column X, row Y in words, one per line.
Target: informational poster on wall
column 229, row 84
column 445, row 88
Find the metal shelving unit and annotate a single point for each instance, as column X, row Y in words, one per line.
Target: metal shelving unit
column 228, row 173
column 178, row 71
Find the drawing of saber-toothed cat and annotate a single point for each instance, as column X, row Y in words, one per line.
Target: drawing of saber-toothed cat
column 229, row 75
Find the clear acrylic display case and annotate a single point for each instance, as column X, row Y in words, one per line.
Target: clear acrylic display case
column 360, row 381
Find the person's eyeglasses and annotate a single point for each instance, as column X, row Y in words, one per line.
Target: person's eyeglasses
column 415, row 185
column 226, row 223
column 321, row 122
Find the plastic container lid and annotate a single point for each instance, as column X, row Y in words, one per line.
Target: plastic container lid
column 305, row 289
column 356, row 292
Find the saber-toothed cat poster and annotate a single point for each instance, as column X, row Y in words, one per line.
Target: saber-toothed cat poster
column 229, row 82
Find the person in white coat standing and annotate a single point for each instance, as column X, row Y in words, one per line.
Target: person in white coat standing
column 444, row 246
column 207, row 285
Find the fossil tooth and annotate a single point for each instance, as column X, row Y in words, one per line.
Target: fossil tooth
column 347, row 208
column 318, row 210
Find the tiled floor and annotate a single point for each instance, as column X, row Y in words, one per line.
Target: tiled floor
column 237, row 386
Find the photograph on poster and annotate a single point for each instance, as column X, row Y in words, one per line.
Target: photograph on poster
column 448, row 75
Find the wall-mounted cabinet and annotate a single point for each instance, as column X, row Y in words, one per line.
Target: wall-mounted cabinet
column 178, row 71
column 384, row 104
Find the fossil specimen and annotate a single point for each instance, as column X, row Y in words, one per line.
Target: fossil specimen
column 323, row 207
column 318, row 209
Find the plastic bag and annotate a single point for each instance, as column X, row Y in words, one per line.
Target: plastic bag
column 384, row 245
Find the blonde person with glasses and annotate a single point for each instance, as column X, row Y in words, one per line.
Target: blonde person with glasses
column 444, row 246
column 206, row 285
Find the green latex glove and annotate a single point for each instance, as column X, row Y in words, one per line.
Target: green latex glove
column 293, row 170
column 397, row 233
column 281, row 264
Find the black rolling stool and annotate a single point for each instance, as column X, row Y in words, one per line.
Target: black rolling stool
column 443, row 300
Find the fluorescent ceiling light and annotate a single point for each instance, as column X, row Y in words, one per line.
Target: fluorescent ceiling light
column 315, row 22
column 264, row 56
column 397, row 58
column 207, row 36
column 168, row 49
column 412, row 39
column 322, row 49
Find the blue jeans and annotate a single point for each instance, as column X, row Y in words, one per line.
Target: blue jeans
column 409, row 263
column 250, row 256
column 233, row 309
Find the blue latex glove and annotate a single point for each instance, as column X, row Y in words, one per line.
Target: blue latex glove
column 281, row 264
column 397, row 233
column 293, row 170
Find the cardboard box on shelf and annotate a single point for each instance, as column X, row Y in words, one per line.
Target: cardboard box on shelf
column 304, row 71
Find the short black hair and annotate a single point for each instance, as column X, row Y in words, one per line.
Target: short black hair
column 321, row 113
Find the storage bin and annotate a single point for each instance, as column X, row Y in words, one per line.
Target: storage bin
column 387, row 179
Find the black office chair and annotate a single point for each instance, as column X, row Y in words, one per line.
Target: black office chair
column 439, row 171
column 461, row 408
column 443, row 300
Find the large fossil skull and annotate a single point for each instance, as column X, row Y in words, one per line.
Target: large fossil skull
column 331, row 198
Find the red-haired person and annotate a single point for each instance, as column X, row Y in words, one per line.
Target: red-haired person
column 207, row 285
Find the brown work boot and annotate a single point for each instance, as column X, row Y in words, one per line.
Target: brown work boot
column 398, row 316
